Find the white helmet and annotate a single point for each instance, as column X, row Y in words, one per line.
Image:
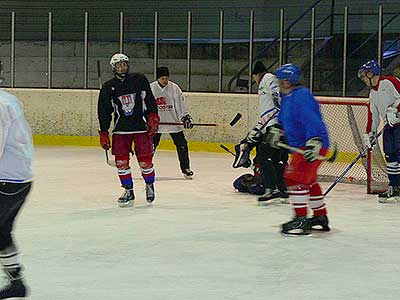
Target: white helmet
column 117, row 58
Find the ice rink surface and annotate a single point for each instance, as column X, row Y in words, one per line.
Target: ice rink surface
column 199, row 241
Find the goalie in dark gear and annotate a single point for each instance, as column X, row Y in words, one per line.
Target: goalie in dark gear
column 270, row 160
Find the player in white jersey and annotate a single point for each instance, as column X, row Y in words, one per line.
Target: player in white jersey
column 384, row 100
column 172, row 109
column 270, row 161
column 16, row 153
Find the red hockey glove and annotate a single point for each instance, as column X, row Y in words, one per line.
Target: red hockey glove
column 152, row 124
column 104, row 140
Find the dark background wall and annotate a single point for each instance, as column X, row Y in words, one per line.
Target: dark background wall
column 31, row 34
column 68, row 17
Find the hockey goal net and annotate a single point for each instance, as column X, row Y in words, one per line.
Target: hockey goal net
column 346, row 119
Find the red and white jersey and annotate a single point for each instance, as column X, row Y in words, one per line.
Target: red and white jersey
column 16, row 149
column 171, row 106
column 385, row 94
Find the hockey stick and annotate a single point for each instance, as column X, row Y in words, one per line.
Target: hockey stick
column 194, row 124
column 1, row 72
column 108, row 161
column 227, row 149
column 360, row 155
column 236, row 119
column 99, row 74
column 330, row 159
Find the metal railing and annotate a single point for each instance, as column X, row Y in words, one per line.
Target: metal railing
column 286, row 46
column 283, row 54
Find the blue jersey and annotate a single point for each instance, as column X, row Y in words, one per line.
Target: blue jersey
column 301, row 118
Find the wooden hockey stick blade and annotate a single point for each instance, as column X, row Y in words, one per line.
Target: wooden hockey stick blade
column 227, row 149
column 235, row 119
column 108, row 161
column 330, row 159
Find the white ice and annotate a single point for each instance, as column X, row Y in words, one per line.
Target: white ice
column 200, row 240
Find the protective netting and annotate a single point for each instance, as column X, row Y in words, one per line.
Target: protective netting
column 346, row 119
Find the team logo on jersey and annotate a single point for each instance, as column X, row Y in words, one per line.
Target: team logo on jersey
column 163, row 105
column 128, row 103
column 161, row 101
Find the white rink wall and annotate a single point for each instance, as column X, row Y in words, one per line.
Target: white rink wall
column 74, row 113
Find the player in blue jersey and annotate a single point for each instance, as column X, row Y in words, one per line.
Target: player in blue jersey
column 303, row 126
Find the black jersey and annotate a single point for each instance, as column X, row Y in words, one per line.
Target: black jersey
column 130, row 100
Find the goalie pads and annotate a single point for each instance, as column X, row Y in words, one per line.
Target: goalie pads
column 392, row 116
column 242, row 156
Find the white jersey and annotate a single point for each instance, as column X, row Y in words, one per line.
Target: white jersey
column 171, row 106
column 385, row 94
column 16, row 149
column 268, row 92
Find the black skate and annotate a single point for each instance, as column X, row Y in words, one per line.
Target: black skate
column 319, row 221
column 299, row 226
column 15, row 289
column 268, row 197
column 283, row 196
column 150, row 194
column 127, row 198
column 187, row 173
column 392, row 195
column 385, row 193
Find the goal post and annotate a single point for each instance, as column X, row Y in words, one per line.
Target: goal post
column 346, row 119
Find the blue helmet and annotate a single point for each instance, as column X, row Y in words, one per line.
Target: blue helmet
column 371, row 66
column 289, row 72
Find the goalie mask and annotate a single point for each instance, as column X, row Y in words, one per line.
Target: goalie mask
column 117, row 59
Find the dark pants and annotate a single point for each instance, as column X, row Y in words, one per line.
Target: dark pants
column 272, row 162
column 181, row 148
column 12, row 197
column 391, row 147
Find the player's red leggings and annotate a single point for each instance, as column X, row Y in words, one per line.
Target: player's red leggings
column 143, row 149
column 301, row 180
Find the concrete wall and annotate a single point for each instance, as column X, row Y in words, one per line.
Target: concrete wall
column 74, row 113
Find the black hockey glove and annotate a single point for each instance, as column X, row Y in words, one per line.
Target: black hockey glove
column 313, row 146
column 187, row 122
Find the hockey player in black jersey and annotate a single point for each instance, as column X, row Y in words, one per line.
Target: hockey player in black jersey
column 129, row 99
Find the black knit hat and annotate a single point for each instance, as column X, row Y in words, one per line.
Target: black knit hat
column 162, row 71
column 258, row 68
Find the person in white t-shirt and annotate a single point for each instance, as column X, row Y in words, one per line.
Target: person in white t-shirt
column 172, row 109
column 16, row 153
